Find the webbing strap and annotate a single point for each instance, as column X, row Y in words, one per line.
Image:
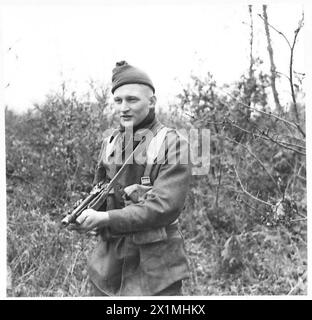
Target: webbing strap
column 153, row 149
column 111, row 144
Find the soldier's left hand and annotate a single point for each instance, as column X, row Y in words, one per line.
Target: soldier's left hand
column 90, row 219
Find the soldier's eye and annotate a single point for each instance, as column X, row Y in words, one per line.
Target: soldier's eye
column 132, row 99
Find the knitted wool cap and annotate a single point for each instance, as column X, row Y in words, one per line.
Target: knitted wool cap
column 124, row 73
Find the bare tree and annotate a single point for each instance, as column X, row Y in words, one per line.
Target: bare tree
column 291, row 71
column 273, row 68
column 292, row 48
column 251, row 63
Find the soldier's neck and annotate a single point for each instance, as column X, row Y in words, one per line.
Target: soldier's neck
column 147, row 122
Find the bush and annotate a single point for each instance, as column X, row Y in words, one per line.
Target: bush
column 244, row 223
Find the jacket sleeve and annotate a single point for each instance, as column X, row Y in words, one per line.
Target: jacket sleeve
column 164, row 203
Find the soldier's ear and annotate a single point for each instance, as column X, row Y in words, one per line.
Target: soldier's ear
column 153, row 101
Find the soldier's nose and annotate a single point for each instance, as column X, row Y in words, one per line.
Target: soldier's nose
column 124, row 107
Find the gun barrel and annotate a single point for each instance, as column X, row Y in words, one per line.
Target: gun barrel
column 77, row 211
column 66, row 221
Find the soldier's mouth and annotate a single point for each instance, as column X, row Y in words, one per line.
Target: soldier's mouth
column 126, row 117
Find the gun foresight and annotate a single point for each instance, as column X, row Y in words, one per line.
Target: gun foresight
column 71, row 217
column 66, row 221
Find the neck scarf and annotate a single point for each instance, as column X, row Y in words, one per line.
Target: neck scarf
column 149, row 119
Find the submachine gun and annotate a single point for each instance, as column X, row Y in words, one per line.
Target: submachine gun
column 99, row 193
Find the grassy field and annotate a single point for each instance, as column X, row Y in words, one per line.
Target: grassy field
column 47, row 261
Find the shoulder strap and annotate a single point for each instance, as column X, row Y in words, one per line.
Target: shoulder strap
column 153, row 150
column 111, row 143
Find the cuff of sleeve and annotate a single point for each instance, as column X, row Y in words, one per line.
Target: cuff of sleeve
column 117, row 222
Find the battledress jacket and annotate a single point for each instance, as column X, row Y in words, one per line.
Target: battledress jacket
column 145, row 251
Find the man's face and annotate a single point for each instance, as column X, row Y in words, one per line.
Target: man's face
column 133, row 102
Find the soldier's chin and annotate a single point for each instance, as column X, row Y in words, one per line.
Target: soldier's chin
column 127, row 122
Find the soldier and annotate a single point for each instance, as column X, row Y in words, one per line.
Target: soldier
column 140, row 250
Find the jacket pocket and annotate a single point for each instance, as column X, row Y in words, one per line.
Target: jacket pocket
column 150, row 236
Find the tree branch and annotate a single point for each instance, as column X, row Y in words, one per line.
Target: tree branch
column 251, row 207
column 279, row 32
column 273, row 67
column 262, row 135
column 260, row 162
column 270, row 114
column 267, row 137
column 291, row 71
column 247, row 193
column 290, row 78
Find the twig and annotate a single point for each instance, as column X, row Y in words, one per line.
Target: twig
column 283, row 144
column 262, row 136
column 260, row 162
column 299, row 219
column 292, row 144
column 302, row 178
column 247, row 193
column 270, row 114
column 189, row 115
column 291, row 74
column 294, row 125
column 279, row 32
column 265, row 136
column 283, row 74
column 251, row 207
column 298, row 173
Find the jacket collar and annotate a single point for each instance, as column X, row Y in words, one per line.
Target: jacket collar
column 148, row 122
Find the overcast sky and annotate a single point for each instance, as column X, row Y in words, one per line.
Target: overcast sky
column 42, row 45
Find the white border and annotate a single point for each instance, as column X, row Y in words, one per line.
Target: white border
column 308, row 85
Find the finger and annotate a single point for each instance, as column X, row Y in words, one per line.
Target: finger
column 81, row 218
column 75, row 227
column 92, row 233
column 128, row 202
column 128, row 190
